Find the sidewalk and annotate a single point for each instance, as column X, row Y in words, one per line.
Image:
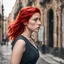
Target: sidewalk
column 0, row 54
column 5, row 54
column 57, row 59
column 51, row 59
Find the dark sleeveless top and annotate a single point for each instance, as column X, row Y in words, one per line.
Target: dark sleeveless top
column 30, row 55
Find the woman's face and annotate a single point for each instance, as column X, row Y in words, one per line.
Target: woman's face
column 34, row 22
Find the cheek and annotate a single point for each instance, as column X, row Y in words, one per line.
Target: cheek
column 32, row 25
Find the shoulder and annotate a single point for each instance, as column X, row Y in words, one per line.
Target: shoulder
column 18, row 50
column 18, row 41
column 19, row 45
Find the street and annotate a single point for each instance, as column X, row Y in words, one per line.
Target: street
column 5, row 54
column 41, row 61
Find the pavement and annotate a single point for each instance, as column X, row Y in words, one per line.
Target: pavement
column 5, row 55
column 50, row 59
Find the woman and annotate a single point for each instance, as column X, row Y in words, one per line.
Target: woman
column 24, row 50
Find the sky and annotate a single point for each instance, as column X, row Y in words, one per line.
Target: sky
column 8, row 5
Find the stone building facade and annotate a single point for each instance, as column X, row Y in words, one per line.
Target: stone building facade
column 52, row 17
column 53, row 21
column 62, row 27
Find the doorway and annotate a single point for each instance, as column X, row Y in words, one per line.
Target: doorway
column 50, row 28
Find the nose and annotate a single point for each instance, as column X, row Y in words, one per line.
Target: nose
column 39, row 22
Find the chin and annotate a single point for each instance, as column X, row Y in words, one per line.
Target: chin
column 36, row 30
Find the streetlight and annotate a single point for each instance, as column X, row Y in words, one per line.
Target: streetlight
column 2, row 19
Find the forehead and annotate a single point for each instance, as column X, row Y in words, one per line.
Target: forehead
column 36, row 15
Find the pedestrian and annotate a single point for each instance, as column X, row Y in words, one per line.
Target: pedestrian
column 24, row 50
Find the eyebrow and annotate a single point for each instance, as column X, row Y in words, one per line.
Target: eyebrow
column 36, row 18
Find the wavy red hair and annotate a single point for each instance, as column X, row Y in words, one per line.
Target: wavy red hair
column 17, row 28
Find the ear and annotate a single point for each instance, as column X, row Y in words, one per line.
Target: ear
column 25, row 23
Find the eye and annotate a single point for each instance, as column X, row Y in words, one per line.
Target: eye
column 35, row 19
column 39, row 19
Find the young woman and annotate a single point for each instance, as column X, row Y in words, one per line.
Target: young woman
column 24, row 50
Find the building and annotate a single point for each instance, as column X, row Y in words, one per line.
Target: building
column 62, row 28
column 52, row 16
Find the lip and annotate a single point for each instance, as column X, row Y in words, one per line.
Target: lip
column 38, row 28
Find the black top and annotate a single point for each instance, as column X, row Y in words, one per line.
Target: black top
column 30, row 55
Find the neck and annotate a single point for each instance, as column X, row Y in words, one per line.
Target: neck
column 27, row 34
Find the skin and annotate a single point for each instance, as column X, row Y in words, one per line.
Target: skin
column 19, row 48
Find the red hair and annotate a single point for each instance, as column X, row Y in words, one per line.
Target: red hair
column 17, row 28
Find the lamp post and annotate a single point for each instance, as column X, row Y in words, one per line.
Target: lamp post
column 2, row 19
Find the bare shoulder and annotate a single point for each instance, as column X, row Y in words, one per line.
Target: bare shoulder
column 20, row 42
column 19, row 45
column 18, row 51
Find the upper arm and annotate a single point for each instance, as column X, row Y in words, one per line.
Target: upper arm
column 17, row 52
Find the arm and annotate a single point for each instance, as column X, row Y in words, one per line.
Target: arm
column 17, row 52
